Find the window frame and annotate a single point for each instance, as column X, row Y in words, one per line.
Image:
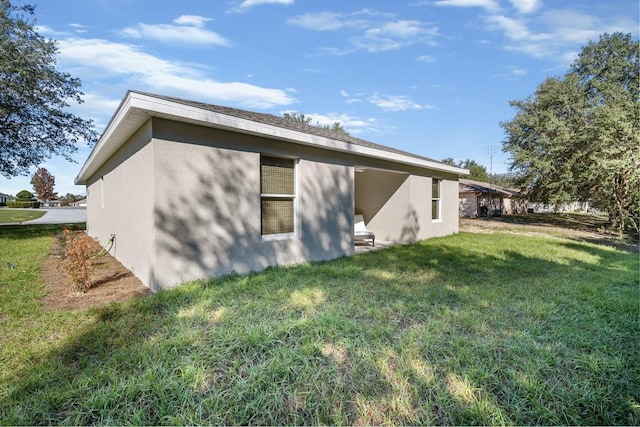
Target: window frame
column 437, row 215
column 293, row 197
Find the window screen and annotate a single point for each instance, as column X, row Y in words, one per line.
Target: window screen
column 277, row 188
column 435, row 198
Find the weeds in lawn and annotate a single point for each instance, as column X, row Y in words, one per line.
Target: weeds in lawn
column 467, row 329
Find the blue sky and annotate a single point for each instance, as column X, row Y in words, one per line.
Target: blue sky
column 433, row 77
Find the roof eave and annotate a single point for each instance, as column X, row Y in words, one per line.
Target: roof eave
column 135, row 103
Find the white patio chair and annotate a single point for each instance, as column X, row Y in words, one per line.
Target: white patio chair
column 360, row 231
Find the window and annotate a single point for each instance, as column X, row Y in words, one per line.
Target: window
column 277, row 194
column 435, row 198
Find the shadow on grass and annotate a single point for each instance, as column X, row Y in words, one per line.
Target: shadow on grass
column 586, row 228
column 460, row 330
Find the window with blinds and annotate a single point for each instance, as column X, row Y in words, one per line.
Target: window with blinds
column 435, row 198
column 277, row 194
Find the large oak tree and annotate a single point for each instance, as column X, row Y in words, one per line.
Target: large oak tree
column 578, row 136
column 34, row 96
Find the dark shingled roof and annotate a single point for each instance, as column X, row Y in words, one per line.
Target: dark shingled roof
column 281, row 122
column 471, row 186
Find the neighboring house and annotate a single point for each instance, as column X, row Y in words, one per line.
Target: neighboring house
column 479, row 198
column 50, row 203
column 4, row 198
column 82, row 203
column 193, row 190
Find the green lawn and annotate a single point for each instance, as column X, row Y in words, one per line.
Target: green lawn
column 8, row 215
column 467, row 329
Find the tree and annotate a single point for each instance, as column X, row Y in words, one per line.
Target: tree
column 508, row 180
column 43, row 183
column 449, row 161
column 578, row 136
column 25, row 195
column 477, row 172
column 33, row 97
column 301, row 118
column 69, row 198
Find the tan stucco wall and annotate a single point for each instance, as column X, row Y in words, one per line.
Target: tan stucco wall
column 184, row 203
column 120, row 201
column 397, row 206
column 468, row 205
column 207, row 214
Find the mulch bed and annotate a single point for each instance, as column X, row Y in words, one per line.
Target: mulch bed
column 111, row 282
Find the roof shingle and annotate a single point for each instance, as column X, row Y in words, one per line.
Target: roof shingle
column 282, row 122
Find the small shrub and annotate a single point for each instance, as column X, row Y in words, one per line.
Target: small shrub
column 78, row 262
column 61, row 243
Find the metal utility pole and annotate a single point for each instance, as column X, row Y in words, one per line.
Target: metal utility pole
column 491, row 150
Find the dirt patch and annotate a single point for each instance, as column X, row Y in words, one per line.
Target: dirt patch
column 112, row 282
column 581, row 228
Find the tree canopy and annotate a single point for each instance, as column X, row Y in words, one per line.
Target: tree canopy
column 34, row 95
column 302, row 118
column 578, row 136
column 477, row 172
column 43, row 183
column 25, row 195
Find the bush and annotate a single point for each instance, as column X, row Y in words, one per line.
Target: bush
column 25, row 195
column 78, row 261
column 23, row 204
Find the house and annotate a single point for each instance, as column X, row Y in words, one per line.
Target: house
column 193, row 190
column 50, row 203
column 82, row 203
column 479, row 198
column 4, row 198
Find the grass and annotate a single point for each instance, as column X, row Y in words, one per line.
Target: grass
column 8, row 215
column 466, row 329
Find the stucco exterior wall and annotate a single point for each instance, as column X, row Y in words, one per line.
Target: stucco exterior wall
column 120, row 201
column 207, row 206
column 448, row 222
column 397, row 206
column 184, row 203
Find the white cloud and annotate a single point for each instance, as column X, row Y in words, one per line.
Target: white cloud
column 526, row 6
column 399, row 29
column 555, row 33
column 396, row 103
column 102, row 60
column 324, row 21
column 512, row 73
column 394, row 35
column 487, row 4
column 380, row 34
column 426, row 58
column 514, row 29
column 193, row 20
column 79, row 28
column 353, row 125
column 189, row 30
column 247, row 4
column 48, row 31
column 96, row 107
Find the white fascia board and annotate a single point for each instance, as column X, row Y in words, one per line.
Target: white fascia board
column 101, row 151
column 158, row 107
